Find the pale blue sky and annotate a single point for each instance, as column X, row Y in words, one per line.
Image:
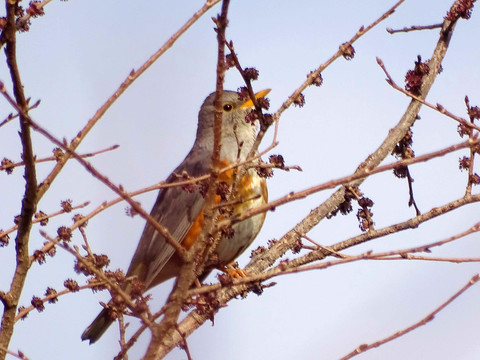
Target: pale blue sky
column 76, row 56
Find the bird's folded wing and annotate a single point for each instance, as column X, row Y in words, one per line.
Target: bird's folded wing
column 176, row 208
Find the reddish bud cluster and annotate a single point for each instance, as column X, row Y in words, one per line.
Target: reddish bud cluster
column 64, row 233
column 299, row 100
column 243, row 93
column 251, row 73
column 79, row 217
column 414, row 78
column 21, row 309
column 97, row 261
column 264, row 103
column 344, row 208
column 116, row 275
column 264, row 172
column 37, row 303
column 19, row 11
column 364, row 216
column 51, row 292
column 66, row 205
column 464, row 163
column 58, row 154
column 267, row 120
column 71, row 285
column 460, row 9
column 141, row 304
column 473, row 111
column 137, row 288
column 403, row 150
column 39, row 257
column 229, row 61
column 7, row 165
column 277, row 161
column 52, row 251
column 348, row 52
column 463, row 130
column 251, row 117
column 315, row 80
column 4, row 239
column 474, row 179
column 35, row 9
column 41, row 214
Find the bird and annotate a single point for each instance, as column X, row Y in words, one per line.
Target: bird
column 180, row 210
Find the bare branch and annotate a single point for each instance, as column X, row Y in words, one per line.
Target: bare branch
column 414, row 28
column 43, row 218
column 55, row 158
column 364, row 347
column 437, row 107
column 134, row 75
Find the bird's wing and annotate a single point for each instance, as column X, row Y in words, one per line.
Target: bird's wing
column 176, row 209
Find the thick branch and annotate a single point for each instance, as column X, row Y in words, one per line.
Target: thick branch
column 29, row 201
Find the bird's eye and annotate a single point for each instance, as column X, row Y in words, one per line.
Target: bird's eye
column 227, row 107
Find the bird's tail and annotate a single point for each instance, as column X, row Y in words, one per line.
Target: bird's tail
column 98, row 327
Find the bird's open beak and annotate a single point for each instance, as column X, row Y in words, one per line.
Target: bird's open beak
column 258, row 95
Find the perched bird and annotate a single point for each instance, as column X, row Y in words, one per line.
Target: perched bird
column 181, row 211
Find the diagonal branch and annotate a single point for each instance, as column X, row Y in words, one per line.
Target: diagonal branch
column 364, row 347
column 134, row 75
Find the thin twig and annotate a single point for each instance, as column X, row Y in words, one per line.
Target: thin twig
column 437, row 107
column 11, row 116
column 19, row 354
column 54, row 158
column 122, row 329
column 137, row 334
column 26, row 310
column 364, row 347
column 43, row 218
column 184, row 344
column 414, row 28
column 411, row 199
